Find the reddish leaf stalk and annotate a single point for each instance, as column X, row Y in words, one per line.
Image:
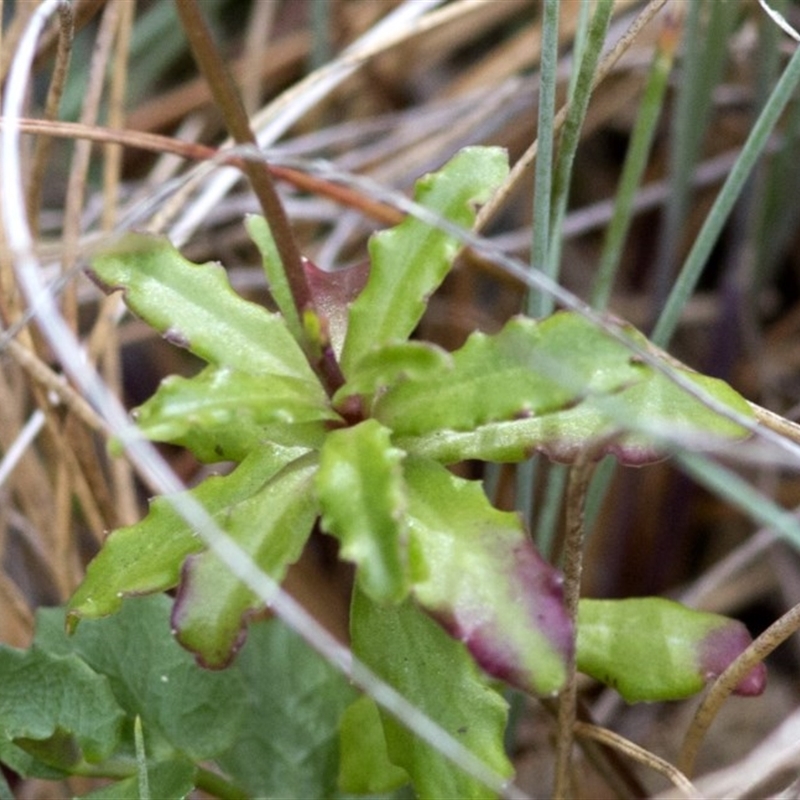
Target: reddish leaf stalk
column 229, row 101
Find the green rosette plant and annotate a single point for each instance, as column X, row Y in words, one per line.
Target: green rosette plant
column 447, row 585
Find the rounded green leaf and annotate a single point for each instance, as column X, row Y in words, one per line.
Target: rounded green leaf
column 650, row 648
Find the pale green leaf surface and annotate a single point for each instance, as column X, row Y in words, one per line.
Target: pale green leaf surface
column 528, row 369
column 436, row 674
column 558, row 386
column 197, row 711
column 194, row 306
column 364, row 765
column 288, row 742
column 394, row 363
column 222, row 414
column 55, row 708
column 148, row 556
column 411, row 260
column 652, row 649
column 485, row 582
column 636, row 424
column 272, row 526
column 362, row 503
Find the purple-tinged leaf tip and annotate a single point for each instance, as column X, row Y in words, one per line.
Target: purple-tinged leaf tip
column 719, row 649
column 332, row 293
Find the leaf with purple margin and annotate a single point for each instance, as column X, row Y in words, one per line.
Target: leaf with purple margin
column 627, row 408
column 212, row 605
column 195, row 306
column 147, row 557
column 651, row 649
column 485, row 582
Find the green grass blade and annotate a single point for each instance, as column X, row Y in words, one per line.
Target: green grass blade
column 727, row 197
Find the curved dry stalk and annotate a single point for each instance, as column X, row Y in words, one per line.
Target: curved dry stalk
column 229, row 101
column 723, row 686
column 193, row 151
column 44, row 144
column 638, row 754
column 51, row 381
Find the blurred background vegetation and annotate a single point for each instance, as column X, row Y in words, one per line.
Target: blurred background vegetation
column 669, row 109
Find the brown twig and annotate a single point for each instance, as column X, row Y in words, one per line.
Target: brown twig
column 579, row 477
column 193, row 151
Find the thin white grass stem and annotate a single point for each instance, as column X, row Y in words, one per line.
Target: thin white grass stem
column 153, row 468
column 23, row 441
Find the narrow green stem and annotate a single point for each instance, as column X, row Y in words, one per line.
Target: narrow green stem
column 704, row 55
column 142, row 776
column 571, row 132
column 635, row 161
column 727, row 197
column 540, row 304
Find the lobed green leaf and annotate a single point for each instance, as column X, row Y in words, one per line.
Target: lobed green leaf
column 194, row 306
column 362, row 502
column 528, row 369
column 484, row 581
column 55, row 710
column 222, row 414
column 410, row 260
column 557, row 386
column 197, row 712
column 391, row 364
column 148, row 556
column 272, row 525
